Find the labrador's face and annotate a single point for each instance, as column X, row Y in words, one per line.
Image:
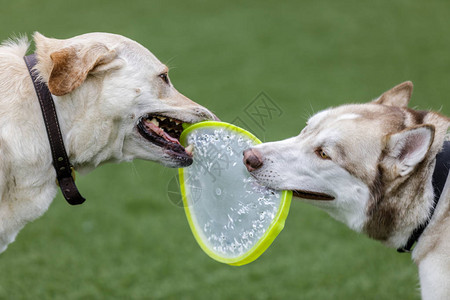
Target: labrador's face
column 127, row 107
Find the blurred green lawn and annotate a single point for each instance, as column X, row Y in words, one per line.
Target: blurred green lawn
column 130, row 242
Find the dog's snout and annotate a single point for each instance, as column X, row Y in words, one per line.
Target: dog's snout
column 215, row 118
column 252, row 159
column 208, row 115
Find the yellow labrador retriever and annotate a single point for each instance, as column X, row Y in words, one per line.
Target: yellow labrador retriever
column 114, row 102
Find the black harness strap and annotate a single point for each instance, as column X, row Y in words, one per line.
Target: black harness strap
column 440, row 174
column 61, row 162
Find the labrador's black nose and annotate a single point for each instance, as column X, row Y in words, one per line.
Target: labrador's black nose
column 252, row 159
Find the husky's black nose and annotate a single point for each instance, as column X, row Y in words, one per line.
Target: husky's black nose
column 252, row 159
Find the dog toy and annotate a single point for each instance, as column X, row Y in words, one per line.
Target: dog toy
column 233, row 218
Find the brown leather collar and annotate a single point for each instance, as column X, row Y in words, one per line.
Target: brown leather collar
column 64, row 169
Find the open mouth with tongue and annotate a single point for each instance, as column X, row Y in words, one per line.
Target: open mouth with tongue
column 165, row 132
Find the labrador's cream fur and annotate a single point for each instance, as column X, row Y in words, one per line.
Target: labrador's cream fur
column 101, row 84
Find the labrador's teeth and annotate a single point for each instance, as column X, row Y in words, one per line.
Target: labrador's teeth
column 177, row 122
column 161, row 118
column 189, row 149
column 154, row 121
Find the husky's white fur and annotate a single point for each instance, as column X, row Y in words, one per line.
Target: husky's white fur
column 102, row 84
column 370, row 166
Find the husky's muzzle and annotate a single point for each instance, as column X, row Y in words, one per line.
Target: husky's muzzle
column 254, row 160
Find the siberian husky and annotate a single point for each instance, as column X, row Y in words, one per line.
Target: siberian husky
column 371, row 167
column 114, row 102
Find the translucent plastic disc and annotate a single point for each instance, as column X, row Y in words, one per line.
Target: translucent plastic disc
column 233, row 218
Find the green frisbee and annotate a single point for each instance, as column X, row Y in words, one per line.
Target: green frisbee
column 233, row 218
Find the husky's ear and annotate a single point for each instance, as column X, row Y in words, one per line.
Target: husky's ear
column 72, row 65
column 399, row 95
column 409, row 147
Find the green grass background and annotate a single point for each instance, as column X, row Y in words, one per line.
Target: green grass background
column 130, row 242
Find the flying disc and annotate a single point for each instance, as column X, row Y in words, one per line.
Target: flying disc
column 233, row 218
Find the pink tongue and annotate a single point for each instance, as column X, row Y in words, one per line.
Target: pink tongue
column 162, row 133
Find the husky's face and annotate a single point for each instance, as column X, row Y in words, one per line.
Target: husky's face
column 346, row 157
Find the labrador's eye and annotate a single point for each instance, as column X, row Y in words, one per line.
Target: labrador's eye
column 322, row 154
column 164, row 77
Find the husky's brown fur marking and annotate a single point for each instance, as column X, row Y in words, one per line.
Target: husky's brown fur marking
column 381, row 214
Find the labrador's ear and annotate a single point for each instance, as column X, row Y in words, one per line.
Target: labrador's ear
column 71, row 66
column 398, row 96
